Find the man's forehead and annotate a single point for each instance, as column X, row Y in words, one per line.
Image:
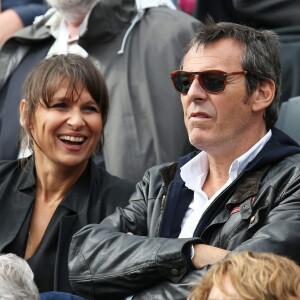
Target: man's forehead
column 223, row 52
column 226, row 42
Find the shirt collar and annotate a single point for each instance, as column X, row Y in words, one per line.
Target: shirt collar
column 63, row 44
column 195, row 171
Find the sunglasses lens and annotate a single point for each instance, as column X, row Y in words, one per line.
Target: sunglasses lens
column 181, row 82
column 213, row 82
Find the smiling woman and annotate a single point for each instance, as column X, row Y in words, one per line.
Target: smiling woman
column 46, row 197
column 69, row 91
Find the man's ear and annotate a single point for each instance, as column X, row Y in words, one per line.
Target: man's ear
column 23, row 109
column 264, row 95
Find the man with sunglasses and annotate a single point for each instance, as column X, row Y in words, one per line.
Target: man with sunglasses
column 240, row 191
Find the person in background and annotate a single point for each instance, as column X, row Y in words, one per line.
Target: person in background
column 187, row 6
column 126, row 40
column 239, row 192
column 260, row 14
column 16, row 14
column 16, row 279
column 48, row 196
column 248, row 276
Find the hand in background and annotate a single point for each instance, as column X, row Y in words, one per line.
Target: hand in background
column 10, row 22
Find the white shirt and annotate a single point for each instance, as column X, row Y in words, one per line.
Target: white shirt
column 63, row 43
column 194, row 173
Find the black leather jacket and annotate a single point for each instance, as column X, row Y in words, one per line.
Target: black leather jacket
column 259, row 211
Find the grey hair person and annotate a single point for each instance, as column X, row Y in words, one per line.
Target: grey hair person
column 261, row 58
column 16, row 279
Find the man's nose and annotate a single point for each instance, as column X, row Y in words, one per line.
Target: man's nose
column 195, row 87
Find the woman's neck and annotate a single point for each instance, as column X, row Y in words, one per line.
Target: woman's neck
column 53, row 182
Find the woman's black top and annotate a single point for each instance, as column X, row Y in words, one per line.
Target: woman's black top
column 95, row 195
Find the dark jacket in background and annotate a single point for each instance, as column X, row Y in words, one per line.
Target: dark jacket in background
column 259, row 211
column 94, row 196
column 26, row 9
column 256, row 13
column 289, row 38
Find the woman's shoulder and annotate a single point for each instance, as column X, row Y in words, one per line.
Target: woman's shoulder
column 108, row 179
column 7, row 165
column 13, row 166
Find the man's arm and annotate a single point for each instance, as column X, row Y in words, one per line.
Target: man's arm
column 207, row 255
column 169, row 290
column 107, row 262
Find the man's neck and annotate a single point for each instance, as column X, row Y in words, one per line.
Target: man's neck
column 73, row 29
column 216, row 179
column 219, row 169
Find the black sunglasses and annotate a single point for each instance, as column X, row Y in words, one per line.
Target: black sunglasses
column 213, row 81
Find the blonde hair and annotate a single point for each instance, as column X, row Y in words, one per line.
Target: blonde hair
column 263, row 276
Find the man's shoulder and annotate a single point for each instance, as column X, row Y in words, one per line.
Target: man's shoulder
column 182, row 22
column 284, row 170
column 160, row 167
column 104, row 178
column 169, row 169
column 165, row 12
column 292, row 160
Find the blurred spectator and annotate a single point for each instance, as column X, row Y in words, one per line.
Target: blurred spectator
column 16, row 14
column 256, row 13
column 289, row 38
column 126, row 39
column 248, row 276
column 187, row 6
column 16, row 279
column 17, row 282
